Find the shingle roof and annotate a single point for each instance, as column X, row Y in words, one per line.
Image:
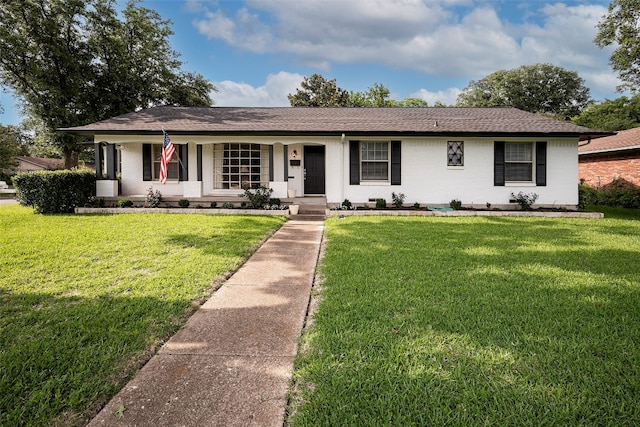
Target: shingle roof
column 43, row 162
column 321, row 121
column 624, row 140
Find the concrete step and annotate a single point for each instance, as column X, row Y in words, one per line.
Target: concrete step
column 312, row 209
column 308, row 217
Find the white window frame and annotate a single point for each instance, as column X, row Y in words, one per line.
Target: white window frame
column 250, row 167
column 364, row 144
column 530, row 161
column 173, row 168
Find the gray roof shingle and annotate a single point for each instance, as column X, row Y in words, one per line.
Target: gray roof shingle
column 323, row 121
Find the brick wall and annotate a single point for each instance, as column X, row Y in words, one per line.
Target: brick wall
column 598, row 170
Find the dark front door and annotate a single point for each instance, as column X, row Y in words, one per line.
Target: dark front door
column 313, row 169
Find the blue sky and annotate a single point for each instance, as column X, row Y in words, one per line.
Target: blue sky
column 257, row 51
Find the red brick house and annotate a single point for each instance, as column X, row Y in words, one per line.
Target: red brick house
column 612, row 157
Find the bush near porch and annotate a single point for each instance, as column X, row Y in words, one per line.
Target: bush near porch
column 474, row 321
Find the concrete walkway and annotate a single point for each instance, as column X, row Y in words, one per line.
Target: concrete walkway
column 231, row 364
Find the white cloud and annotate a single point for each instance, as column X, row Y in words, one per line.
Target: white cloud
column 447, row 96
column 451, row 38
column 272, row 94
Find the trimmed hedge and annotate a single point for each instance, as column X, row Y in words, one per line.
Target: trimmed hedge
column 58, row 191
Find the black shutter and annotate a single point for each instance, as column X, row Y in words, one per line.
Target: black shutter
column 183, row 163
column 498, row 163
column 354, row 162
column 285, row 156
column 541, row 163
column 112, row 156
column 271, row 163
column 199, row 161
column 98, row 149
column 395, row 163
column 147, row 163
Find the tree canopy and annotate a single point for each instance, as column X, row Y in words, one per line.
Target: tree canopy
column 611, row 115
column 319, row 92
column 74, row 62
column 539, row 88
column 619, row 26
column 11, row 144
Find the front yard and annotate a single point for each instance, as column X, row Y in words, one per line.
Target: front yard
column 474, row 321
column 422, row 321
column 85, row 300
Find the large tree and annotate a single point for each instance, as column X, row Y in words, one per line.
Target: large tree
column 12, row 143
column 611, row 115
column 539, row 88
column 620, row 26
column 316, row 91
column 74, row 62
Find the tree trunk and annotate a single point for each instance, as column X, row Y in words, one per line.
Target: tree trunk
column 70, row 159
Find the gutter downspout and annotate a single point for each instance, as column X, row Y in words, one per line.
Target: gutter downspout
column 587, row 143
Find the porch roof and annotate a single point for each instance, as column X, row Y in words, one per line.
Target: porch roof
column 335, row 121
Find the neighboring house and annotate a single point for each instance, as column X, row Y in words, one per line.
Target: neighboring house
column 31, row 164
column 613, row 157
column 432, row 155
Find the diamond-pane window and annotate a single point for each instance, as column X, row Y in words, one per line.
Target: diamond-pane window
column 455, row 153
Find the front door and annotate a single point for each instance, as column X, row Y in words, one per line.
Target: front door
column 313, row 169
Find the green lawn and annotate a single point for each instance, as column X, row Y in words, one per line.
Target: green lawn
column 84, row 300
column 474, row 321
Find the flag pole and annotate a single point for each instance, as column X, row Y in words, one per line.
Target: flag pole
column 176, row 152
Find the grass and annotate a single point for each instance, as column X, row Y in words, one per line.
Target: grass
column 474, row 321
column 84, row 300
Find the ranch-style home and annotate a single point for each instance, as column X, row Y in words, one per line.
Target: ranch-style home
column 432, row 155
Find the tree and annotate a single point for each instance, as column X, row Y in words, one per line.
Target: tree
column 611, row 115
column 75, row 62
column 376, row 96
column 539, row 88
column 319, row 92
column 11, row 145
column 619, row 26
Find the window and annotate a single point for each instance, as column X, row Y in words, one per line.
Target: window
column 237, row 166
column 518, row 161
column 455, row 153
column 172, row 167
column 374, row 158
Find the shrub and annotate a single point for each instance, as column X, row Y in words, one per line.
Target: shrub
column 525, row 200
column 184, row 203
column 227, row 205
column 397, row 200
column 274, row 202
column 55, row 191
column 455, row 204
column 416, row 205
column 381, row 203
column 153, row 199
column 258, row 197
column 346, row 203
column 99, row 202
column 214, row 204
column 125, row 203
column 619, row 192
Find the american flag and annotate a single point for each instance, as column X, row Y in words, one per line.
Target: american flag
column 168, row 151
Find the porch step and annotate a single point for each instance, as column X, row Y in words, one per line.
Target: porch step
column 312, row 209
column 308, row 217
